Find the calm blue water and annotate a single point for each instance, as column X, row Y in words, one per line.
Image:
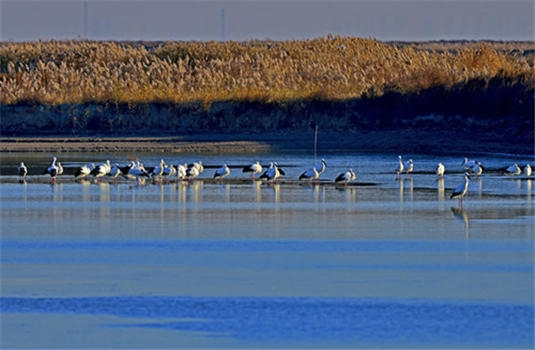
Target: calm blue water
column 389, row 263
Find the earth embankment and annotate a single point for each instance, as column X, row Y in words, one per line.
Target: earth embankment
column 499, row 119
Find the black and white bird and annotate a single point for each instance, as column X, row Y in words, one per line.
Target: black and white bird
column 192, row 173
column 115, row 171
column 346, row 177
column 513, row 170
column 279, row 169
column 271, row 174
column 460, row 191
column 52, row 170
column 254, row 169
column 101, row 170
column 313, row 173
column 222, row 172
column 135, row 170
column 84, row 170
column 440, row 170
column 22, row 171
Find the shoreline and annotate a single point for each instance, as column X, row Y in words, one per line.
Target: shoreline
column 396, row 141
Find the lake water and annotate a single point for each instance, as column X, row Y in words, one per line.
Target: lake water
column 385, row 262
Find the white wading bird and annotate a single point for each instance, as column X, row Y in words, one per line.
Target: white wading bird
column 272, row 173
column 101, row 170
column 254, row 169
column 400, row 168
column 460, row 191
column 23, row 171
column 84, row 170
column 346, row 177
column 513, row 170
column 527, row 170
column 222, row 172
column 52, row 170
column 314, row 173
column 440, row 170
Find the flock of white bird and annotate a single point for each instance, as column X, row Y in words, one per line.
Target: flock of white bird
column 163, row 171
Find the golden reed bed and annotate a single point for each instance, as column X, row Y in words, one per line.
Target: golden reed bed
column 330, row 68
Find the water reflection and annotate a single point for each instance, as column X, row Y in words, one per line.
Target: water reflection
column 409, row 184
column 401, row 189
column 257, row 186
column 440, row 189
column 194, row 191
column 479, row 186
column 461, row 215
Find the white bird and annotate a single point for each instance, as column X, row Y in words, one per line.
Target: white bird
column 254, row 169
column 52, row 170
column 409, row 166
column 310, row 174
column 440, row 170
column 197, row 165
column 400, row 168
column 346, row 177
column 23, row 171
column 314, row 173
column 460, row 191
column 527, row 170
column 192, row 172
column 181, row 171
column 158, row 170
column 271, row 174
column 222, row 172
column 84, row 170
column 101, row 170
column 135, row 170
column 168, row 171
column 513, row 170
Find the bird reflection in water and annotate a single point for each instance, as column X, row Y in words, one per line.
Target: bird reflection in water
column 440, row 189
column 276, row 192
column 461, row 215
column 410, row 187
column 257, row 186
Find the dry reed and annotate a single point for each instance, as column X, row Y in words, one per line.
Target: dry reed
column 330, row 68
